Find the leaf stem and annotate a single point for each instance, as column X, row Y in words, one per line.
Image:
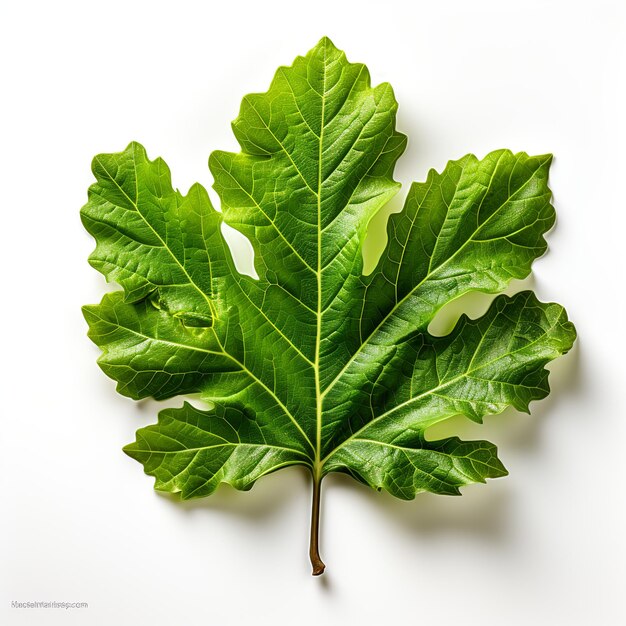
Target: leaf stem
column 316, row 561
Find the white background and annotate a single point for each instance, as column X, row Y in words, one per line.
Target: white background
column 80, row 521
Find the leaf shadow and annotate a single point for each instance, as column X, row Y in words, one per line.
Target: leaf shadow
column 483, row 511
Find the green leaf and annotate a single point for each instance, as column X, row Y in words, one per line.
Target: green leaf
column 314, row 363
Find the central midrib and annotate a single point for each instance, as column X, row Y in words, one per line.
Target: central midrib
column 318, row 393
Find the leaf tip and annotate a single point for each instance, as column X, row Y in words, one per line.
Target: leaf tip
column 326, row 42
column 131, row 450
